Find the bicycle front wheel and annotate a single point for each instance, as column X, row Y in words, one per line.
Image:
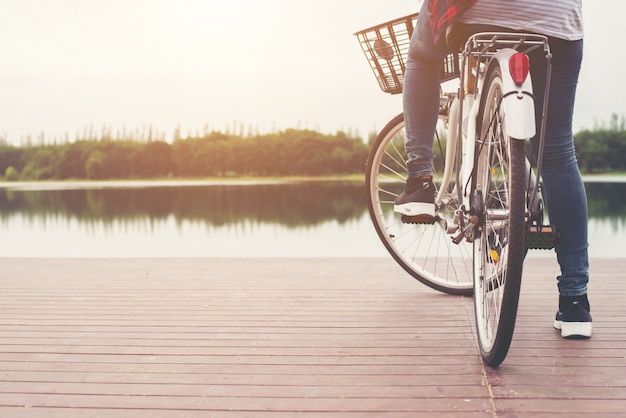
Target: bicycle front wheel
column 499, row 249
column 426, row 252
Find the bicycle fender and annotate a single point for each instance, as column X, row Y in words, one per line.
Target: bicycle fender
column 518, row 100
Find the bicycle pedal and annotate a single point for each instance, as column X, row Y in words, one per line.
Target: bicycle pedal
column 418, row 219
column 543, row 237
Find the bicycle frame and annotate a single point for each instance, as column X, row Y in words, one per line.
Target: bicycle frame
column 489, row 209
column 519, row 101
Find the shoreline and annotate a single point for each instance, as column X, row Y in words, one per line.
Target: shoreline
column 242, row 181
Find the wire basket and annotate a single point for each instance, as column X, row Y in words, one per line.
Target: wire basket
column 386, row 47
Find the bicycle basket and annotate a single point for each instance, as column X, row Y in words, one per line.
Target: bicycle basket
column 386, row 47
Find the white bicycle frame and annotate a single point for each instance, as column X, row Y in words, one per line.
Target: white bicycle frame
column 519, row 115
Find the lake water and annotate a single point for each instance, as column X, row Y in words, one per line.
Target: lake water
column 204, row 219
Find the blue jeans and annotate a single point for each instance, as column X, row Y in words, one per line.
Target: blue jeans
column 566, row 198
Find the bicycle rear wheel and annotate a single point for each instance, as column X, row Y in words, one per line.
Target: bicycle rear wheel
column 500, row 198
column 426, row 252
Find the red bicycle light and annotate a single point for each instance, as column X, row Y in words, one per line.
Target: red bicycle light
column 519, row 65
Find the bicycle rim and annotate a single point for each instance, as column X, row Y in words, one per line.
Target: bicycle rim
column 426, row 252
column 499, row 248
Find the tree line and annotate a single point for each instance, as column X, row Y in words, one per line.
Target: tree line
column 292, row 152
column 601, row 151
column 287, row 153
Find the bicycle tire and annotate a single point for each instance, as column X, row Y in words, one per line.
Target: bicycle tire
column 499, row 188
column 426, row 252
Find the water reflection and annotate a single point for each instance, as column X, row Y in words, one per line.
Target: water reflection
column 286, row 219
column 607, row 201
column 290, row 204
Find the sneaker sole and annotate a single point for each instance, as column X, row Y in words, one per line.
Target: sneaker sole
column 574, row 329
column 415, row 209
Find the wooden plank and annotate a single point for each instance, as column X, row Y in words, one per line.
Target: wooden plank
column 242, row 390
column 250, row 404
column 169, row 413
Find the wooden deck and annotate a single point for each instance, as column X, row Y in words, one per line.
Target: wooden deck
column 290, row 337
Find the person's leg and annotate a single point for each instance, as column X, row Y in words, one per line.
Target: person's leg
column 420, row 94
column 566, row 198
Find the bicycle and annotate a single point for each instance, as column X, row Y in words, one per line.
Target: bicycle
column 489, row 205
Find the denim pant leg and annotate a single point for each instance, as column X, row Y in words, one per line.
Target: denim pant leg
column 420, row 96
column 565, row 193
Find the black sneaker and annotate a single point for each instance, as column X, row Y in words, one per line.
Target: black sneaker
column 573, row 317
column 418, row 199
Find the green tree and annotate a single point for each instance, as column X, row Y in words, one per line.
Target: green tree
column 154, row 159
column 95, row 165
column 72, row 159
column 11, row 174
column 601, row 150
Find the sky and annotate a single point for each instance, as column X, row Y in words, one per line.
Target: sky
column 69, row 66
